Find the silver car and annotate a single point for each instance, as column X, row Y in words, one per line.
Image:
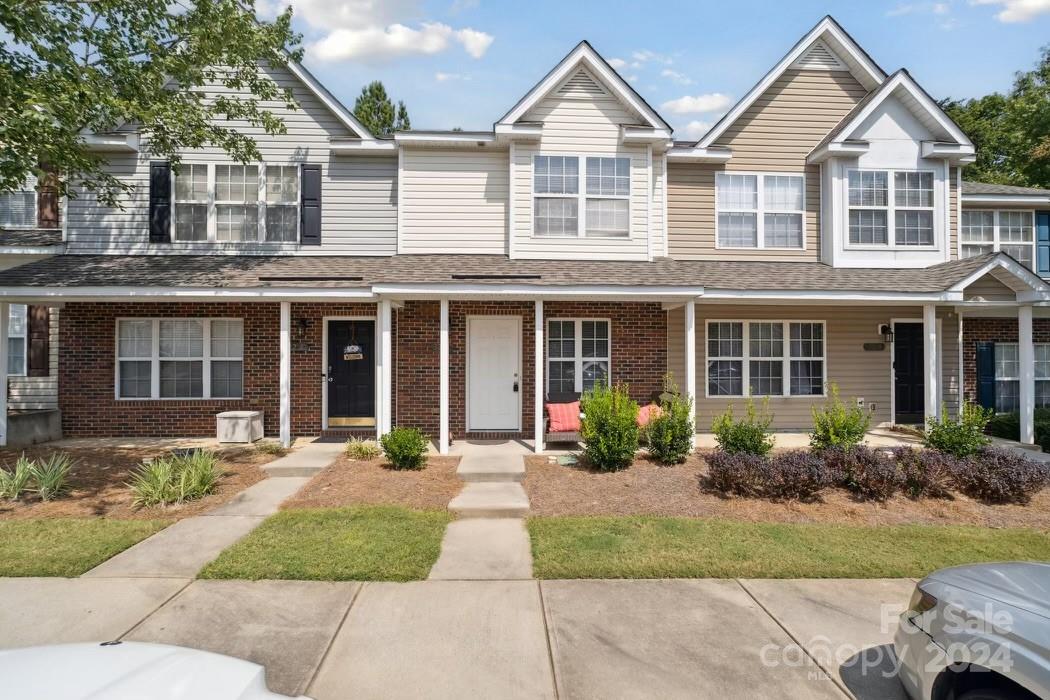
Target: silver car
column 978, row 632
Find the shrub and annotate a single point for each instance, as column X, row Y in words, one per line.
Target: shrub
column 1008, row 427
column 51, row 475
column 926, row 473
column 867, row 473
column 960, row 437
column 797, row 475
column 609, row 427
column 174, row 478
column 669, row 436
column 269, row 447
column 740, row 473
column 365, row 449
column 406, row 448
column 750, row 435
column 15, row 481
column 998, row 475
column 838, row 425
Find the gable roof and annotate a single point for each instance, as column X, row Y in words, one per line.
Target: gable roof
column 994, row 189
column 917, row 100
column 329, row 100
column 827, row 33
column 584, row 55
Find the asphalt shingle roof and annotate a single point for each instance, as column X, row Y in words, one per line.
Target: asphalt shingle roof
column 30, row 238
column 65, row 271
column 991, row 188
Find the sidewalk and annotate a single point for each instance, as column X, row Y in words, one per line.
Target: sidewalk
column 721, row 639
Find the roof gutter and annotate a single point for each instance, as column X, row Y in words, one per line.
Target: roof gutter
column 1032, row 199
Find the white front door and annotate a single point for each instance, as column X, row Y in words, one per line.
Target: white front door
column 493, row 373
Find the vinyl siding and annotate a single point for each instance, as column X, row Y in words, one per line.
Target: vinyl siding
column 25, row 393
column 774, row 135
column 359, row 193
column 989, row 288
column 857, row 372
column 454, row 201
column 953, row 212
column 581, row 127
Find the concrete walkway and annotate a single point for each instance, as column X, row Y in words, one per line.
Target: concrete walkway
column 722, row 639
column 181, row 550
column 489, row 541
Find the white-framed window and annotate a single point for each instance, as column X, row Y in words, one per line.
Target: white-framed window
column 18, row 208
column 766, row 358
column 234, row 203
column 180, row 358
column 760, row 210
column 987, row 230
column 578, row 354
column 562, row 208
column 891, row 208
column 1008, row 377
column 17, row 325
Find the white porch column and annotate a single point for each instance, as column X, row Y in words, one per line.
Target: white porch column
column 930, row 366
column 538, row 419
column 385, row 412
column 443, row 438
column 5, row 310
column 1026, row 355
column 286, row 373
column 690, row 359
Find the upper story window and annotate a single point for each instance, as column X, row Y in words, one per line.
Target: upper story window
column 758, row 210
column 600, row 208
column 986, row 230
column 885, row 201
column 18, row 208
column 16, row 339
column 236, row 203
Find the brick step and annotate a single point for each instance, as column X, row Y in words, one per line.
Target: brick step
column 491, row 500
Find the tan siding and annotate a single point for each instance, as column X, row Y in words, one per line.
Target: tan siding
column 989, row 288
column 953, row 212
column 454, row 201
column 24, row 393
column 950, row 390
column 775, row 134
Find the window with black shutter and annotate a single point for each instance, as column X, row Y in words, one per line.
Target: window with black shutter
column 160, row 202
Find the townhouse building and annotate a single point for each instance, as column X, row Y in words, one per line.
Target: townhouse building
column 819, row 233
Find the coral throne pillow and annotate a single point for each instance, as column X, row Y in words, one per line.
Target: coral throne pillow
column 564, row 417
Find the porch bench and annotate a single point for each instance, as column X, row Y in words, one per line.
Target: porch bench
column 559, row 436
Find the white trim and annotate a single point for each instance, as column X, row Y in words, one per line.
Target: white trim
column 584, row 54
column 1026, row 380
column 746, row 358
column 325, row 320
column 511, row 200
column 285, row 374
column 826, row 295
column 422, row 289
column 958, row 216
column 870, row 73
column 340, row 147
column 1034, row 281
column 28, row 250
column 444, row 138
column 384, row 415
column 335, row 106
column 666, row 225
column 761, row 211
column 111, row 143
column 689, row 154
column 182, row 293
column 849, row 149
column 443, row 362
column 513, row 132
column 25, row 340
column 649, row 199
column 398, row 219
column 891, row 208
column 999, row 199
column 3, row 372
column 931, row 365
column 466, row 383
column 690, row 362
column 539, row 383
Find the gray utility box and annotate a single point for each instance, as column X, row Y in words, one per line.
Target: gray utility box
column 239, row 426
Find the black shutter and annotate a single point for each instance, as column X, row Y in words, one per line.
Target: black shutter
column 47, row 203
column 1042, row 228
column 38, row 320
column 986, row 375
column 310, row 204
column 159, row 201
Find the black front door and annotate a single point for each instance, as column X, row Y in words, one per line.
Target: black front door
column 351, row 373
column 908, row 375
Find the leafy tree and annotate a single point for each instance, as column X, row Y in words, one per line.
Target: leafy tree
column 1011, row 131
column 375, row 110
column 68, row 68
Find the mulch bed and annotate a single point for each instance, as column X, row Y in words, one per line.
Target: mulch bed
column 99, row 477
column 647, row 488
column 350, row 482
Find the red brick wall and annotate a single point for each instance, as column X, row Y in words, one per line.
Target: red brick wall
column 86, row 372
column 997, row 330
column 417, row 354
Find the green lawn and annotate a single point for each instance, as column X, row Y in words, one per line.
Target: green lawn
column 66, row 546
column 362, row 543
column 652, row 547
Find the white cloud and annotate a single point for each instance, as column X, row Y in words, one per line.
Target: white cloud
column 677, row 77
column 695, row 129
column 941, row 13
column 631, row 78
column 380, row 30
column 698, row 104
column 462, row 5
column 645, row 55
column 1017, row 10
column 617, row 63
column 445, row 77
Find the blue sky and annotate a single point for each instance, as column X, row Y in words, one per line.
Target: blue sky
column 465, row 62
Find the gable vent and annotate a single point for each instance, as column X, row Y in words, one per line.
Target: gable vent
column 819, row 57
column 581, row 84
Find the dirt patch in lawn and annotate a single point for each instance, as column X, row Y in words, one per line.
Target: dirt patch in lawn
column 350, row 482
column 99, row 477
column 647, row 488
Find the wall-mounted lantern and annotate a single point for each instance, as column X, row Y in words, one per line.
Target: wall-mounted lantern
column 886, row 331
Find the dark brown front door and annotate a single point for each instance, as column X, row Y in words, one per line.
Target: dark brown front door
column 351, row 373
column 908, row 375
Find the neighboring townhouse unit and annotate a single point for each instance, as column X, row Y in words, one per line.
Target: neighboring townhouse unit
column 458, row 281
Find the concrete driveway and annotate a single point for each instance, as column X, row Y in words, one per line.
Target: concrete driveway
column 720, row 639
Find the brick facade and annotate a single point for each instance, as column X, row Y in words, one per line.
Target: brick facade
column 997, row 330
column 87, row 363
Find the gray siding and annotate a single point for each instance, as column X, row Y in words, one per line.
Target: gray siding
column 24, row 393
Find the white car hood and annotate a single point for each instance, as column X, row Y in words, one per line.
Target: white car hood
column 1022, row 585
column 128, row 671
